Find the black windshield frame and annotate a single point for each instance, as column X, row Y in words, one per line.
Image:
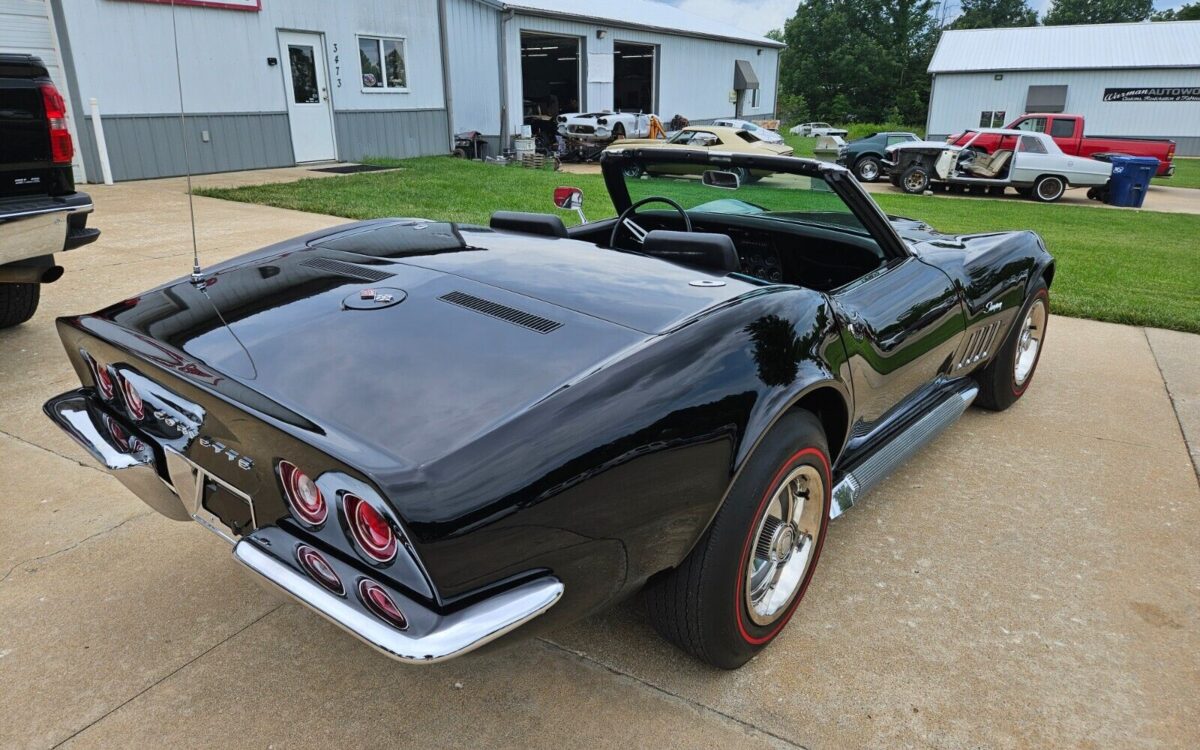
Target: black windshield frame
column 839, row 179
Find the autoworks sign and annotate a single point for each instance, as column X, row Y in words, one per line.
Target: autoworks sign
column 1189, row 94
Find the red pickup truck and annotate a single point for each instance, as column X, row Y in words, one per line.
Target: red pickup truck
column 1067, row 132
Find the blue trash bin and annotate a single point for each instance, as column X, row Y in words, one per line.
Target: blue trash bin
column 1130, row 180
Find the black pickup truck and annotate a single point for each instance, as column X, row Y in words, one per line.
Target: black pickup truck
column 41, row 213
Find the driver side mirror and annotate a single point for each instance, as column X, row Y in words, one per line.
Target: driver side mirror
column 570, row 199
column 718, row 179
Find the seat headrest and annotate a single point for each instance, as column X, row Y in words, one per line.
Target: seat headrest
column 696, row 249
column 547, row 225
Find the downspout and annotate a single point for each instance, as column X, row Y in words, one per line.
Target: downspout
column 929, row 106
column 447, row 90
column 504, row 134
column 775, row 104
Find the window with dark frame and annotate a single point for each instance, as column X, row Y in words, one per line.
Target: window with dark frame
column 382, row 62
column 991, row 119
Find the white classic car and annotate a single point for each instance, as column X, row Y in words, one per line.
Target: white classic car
column 604, row 126
column 1031, row 163
column 769, row 136
column 814, row 129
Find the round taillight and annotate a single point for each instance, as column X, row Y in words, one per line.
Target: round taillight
column 370, row 529
column 133, row 400
column 104, row 381
column 380, row 603
column 303, row 495
column 315, row 564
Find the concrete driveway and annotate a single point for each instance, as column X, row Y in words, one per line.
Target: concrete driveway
column 1030, row 580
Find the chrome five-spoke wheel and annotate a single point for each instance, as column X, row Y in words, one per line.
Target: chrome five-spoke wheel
column 1029, row 342
column 784, row 544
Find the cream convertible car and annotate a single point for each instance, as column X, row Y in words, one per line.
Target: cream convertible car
column 709, row 138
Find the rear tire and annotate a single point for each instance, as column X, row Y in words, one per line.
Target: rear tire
column 1049, row 188
column 915, row 180
column 735, row 592
column 1007, row 376
column 18, row 303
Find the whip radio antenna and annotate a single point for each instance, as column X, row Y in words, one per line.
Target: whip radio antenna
column 197, row 276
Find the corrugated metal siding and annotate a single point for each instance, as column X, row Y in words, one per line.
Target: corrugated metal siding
column 26, row 27
column 695, row 75
column 395, row 133
column 1114, row 45
column 958, row 99
column 224, row 53
column 146, row 146
column 473, row 31
column 660, row 17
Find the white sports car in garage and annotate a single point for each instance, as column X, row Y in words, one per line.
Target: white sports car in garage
column 604, row 126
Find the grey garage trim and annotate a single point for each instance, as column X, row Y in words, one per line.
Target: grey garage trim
column 146, row 146
column 391, row 132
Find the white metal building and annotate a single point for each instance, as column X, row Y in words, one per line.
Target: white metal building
column 1139, row 79
column 279, row 82
column 686, row 63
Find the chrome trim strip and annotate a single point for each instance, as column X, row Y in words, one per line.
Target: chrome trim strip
column 451, row 636
column 899, row 449
column 84, row 208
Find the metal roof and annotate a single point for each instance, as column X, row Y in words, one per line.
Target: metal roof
column 1174, row 44
column 637, row 14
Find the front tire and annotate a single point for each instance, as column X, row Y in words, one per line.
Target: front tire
column 915, row 180
column 1008, row 375
column 18, row 303
column 743, row 581
column 866, row 169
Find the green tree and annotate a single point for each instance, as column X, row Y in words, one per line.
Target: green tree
column 1071, row 12
column 1186, row 12
column 859, row 58
column 994, row 14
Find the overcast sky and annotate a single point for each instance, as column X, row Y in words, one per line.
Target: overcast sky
column 760, row 16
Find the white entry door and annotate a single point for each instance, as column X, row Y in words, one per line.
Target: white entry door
column 307, row 90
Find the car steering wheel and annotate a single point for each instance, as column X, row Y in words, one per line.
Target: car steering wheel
column 635, row 231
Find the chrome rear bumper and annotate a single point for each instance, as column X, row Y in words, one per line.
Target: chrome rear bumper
column 271, row 551
column 429, row 638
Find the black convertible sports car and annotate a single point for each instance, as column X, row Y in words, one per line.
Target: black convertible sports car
column 435, row 434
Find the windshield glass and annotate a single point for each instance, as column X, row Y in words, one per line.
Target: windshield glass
column 787, row 199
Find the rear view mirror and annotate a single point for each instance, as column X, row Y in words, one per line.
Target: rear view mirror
column 724, row 180
column 570, row 199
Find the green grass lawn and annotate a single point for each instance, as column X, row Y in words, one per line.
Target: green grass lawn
column 1137, row 267
column 1187, row 174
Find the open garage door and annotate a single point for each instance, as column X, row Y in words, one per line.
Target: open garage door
column 634, row 68
column 549, row 75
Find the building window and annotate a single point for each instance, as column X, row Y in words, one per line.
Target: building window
column 382, row 63
column 990, row 119
column 754, row 98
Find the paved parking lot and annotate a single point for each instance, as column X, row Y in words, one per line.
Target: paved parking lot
column 1032, row 579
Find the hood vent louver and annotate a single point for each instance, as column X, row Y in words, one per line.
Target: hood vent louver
column 341, row 268
column 503, row 312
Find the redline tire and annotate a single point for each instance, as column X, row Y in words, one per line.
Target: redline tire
column 703, row 606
